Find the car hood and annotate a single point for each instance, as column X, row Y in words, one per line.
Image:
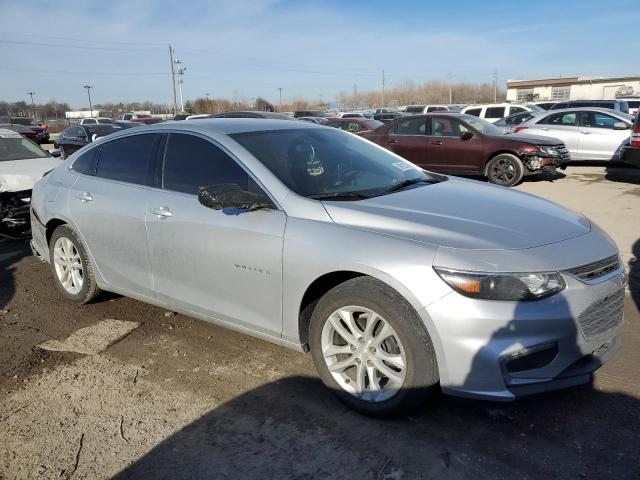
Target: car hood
column 18, row 175
column 464, row 214
column 532, row 139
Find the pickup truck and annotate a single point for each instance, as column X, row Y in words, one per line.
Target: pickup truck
column 140, row 117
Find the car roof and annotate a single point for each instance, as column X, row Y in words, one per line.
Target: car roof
column 583, row 109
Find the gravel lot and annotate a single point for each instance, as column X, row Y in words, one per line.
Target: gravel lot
column 180, row 398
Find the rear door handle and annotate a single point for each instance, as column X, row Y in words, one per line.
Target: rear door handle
column 585, row 132
column 85, row 197
column 162, row 212
column 392, row 141
column 436, row 142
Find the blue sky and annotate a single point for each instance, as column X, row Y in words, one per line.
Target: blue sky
column 246, row 49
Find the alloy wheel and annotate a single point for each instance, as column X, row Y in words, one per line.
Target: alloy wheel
column 68, row 265
column 504, row 171
column 363, row 353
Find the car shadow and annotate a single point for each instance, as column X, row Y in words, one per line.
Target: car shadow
column 293, row 428
column 11, row 252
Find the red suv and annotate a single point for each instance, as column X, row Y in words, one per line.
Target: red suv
column 466, row 145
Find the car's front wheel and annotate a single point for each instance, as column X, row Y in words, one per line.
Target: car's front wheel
column 505, row 169
column 371, row 349
column 72, row 271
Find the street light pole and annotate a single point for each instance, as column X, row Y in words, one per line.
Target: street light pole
column 89, row 87
column 33, row 105
column 280, row 90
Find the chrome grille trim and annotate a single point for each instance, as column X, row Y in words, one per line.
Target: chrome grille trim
column 595, row 270
column 602, row 316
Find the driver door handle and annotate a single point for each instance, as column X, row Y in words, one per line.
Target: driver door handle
column 85, row 197
column 436, row 142
column 162, row 212
column 392, row 141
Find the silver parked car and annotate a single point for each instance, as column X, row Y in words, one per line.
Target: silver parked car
column 398, row 281
column 589, row 133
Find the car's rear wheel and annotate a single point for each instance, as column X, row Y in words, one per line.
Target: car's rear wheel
column 71, row 268
column 505, row 169
column 371, row 349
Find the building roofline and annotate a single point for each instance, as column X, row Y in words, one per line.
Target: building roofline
column 567, row 81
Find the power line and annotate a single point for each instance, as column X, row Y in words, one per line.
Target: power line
column 79, row 47
column 68, row 72
column 83, row 40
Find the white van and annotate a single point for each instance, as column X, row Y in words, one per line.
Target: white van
column 492, row 112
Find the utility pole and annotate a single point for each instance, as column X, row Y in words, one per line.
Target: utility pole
column 89, row 87
column 208, row 103
column 180, row 74
column 173, row 81
column 280, row 91
column 33, row 105
column 382, row 89
column 450, row 76
column 495, row 86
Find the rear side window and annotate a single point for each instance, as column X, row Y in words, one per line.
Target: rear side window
column 597, row 120
column 87, row 162
column 412, row 126
column 473, row 111
column 191, row 162
column 566, row 119
column 129, row 159
column 494, row 112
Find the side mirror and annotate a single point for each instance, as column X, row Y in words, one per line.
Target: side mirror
column 229, row 195
column 620, row 126
column 466, row 136
column 55, row 152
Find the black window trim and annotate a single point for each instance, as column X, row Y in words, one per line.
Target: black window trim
column 221, row 147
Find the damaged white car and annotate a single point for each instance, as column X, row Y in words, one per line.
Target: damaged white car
column 22, row 163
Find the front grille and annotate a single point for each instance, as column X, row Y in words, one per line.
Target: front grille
column 595, row 270
column 603, row 316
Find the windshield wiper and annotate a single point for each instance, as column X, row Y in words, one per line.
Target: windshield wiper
column 412, row 181
column 339, row 196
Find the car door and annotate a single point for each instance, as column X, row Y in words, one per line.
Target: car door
column 221, row 264
column 447, row 152
column 598, row 139
column 408, row 138
column 561, row 125
column 109, row 209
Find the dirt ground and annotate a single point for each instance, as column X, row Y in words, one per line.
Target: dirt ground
column 180, row 398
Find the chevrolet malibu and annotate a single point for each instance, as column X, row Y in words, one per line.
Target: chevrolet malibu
column 400, row 282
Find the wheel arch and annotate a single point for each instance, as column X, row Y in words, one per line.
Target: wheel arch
column 51, row 225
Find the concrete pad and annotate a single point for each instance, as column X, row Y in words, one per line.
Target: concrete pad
column 94, row 339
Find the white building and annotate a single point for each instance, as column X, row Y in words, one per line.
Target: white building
column 573, row 88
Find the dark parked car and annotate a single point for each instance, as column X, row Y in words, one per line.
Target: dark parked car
column 252, row 114
column 386, row 117
column 631, row 153
column 309, row 113
column 619, row 105
column 74, row 138
column 353, row 125
column 467, row 145
column 22, row 130
column 42, row 132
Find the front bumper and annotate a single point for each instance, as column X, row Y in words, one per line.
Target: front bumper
column 476, row 336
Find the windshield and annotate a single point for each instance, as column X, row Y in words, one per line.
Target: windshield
column 481, row 125
column 19, row 148
column 104, row 120
column 23, row 121
column 318, row 162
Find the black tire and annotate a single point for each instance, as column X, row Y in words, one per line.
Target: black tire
column 421, row 379
column 90, row 289
column 505, row 169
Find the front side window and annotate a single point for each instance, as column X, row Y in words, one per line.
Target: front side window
column 412, row 126
column 129, row 159
column 562, row 119
column 329, row 163
column 445, row 127
column 192, row 162
column 597, row 120
column 16, row 147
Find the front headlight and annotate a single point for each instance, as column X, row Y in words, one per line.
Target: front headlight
column 548, row 151
column 502, row 286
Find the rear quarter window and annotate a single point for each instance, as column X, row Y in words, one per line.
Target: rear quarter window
column 130, row 159
column 87, row 162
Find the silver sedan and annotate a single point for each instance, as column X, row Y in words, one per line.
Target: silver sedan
column 589, row 133
column 399, row 281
